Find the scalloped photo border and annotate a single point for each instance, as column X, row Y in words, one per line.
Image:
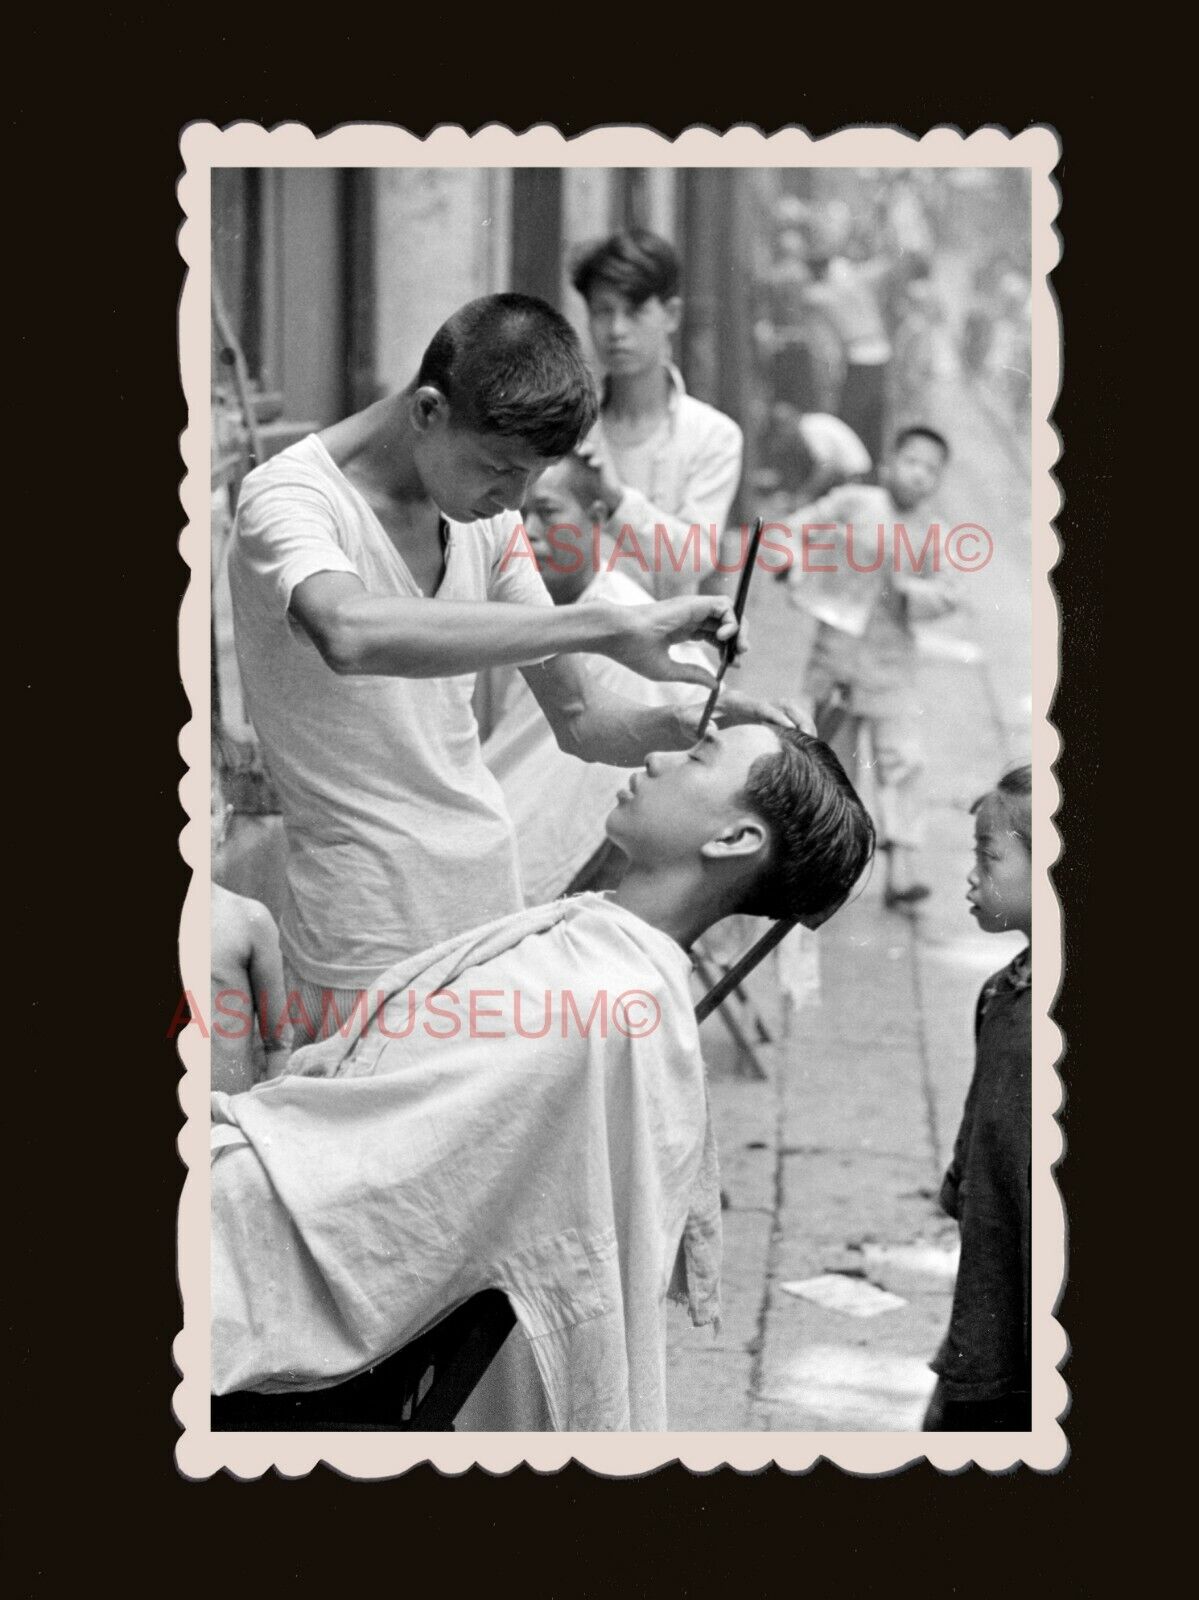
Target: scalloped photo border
column 199, row 1452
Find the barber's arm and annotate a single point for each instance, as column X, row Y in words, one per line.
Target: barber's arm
column 359, row 633
column 593, row 722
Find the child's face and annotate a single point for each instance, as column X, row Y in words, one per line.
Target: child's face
column 630, row 339
column 914, row 471
column 1000, row 894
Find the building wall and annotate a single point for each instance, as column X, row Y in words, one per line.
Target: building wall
column 442, row 236
column 338, row 280
column 304, row 292
column 588, row 213
column 280, row 264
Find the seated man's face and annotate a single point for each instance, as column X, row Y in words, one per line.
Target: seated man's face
column 682, row 799
column 564, row 562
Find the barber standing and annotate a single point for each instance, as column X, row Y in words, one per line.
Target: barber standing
column 374, row 569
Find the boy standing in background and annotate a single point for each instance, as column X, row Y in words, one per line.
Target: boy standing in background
column 862, row 670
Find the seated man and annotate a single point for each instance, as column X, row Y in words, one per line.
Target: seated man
column 566, row 521
column 524, row 1108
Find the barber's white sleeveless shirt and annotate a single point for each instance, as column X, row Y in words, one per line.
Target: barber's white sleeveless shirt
column 397, row 834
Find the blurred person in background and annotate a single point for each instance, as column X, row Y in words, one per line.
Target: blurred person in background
column 849, row 295
column 805, row 455
column 806, row 362
column 861, row 674
column 922, row 351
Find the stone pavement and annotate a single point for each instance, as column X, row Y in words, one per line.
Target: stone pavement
column 833, row 1164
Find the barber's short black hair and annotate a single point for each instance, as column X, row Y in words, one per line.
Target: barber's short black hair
column 636, row 263
column 921, row 430
column 822, row 837
column 510, row 364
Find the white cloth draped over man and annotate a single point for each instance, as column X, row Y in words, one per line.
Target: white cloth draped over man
column 384, row 1180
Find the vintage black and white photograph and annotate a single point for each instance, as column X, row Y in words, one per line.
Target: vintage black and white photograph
column 611, row 631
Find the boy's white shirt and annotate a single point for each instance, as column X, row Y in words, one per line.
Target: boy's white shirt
column 686, row 475
column 845, row 598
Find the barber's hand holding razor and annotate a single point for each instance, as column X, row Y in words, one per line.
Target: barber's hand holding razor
column 640, row 637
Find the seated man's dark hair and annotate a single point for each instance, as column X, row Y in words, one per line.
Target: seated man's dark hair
column 510, row 364
column 822, row 836
column 920, row 430
column 636, row 263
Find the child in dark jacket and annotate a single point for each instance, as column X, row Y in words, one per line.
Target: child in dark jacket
column 984, row 1364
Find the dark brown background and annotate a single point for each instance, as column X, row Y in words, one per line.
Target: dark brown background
column 98, row 707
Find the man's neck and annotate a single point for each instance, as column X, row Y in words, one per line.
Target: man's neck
column 375, row 447
column 672, row 901
column 568, row 588
column 638, row 396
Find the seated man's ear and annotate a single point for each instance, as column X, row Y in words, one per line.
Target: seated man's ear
column 746, row 837
column 674, row 313
column 597, row 511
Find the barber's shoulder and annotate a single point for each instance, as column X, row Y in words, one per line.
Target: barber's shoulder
column 304, row 463
column 294, row 480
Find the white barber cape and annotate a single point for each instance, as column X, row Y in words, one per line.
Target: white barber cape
column 382, row 1181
